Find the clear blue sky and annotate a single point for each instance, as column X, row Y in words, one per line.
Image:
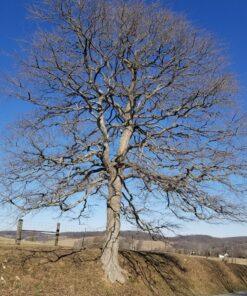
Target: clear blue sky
column 226, row 19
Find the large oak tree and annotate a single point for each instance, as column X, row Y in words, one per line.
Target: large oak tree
column 131, row 104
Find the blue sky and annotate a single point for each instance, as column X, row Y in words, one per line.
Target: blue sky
column 226, row 19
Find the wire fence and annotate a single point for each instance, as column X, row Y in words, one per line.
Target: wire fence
column 93, row 237
column 54, row 237
column 130, row 240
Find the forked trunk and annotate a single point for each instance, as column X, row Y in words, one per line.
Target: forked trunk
column 109, row 256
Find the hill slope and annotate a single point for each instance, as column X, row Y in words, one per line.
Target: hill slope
column 56, row 272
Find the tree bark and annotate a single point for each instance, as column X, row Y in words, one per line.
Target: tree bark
column 109, row 256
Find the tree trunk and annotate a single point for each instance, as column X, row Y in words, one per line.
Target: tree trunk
column 109, row 256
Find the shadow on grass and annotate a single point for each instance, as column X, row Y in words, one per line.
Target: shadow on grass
column 151, row 268
column 161, row 273
column 241, row 272
column 45, row 256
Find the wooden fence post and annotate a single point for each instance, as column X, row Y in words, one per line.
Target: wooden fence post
column 19, row 232
column 57, row 234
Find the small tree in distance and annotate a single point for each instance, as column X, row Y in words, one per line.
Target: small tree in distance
column 130, row 104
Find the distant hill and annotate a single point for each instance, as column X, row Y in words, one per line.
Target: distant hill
column 208, row 245
column 198, row 244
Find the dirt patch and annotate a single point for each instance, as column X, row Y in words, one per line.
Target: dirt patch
column 62, row 271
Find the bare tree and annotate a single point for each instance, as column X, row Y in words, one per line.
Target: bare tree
column 131, row 104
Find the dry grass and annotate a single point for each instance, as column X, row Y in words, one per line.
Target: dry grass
column 6, row 241
column 48, row 271
column 64, row 242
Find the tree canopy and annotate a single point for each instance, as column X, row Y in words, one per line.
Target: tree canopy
column 131, row 104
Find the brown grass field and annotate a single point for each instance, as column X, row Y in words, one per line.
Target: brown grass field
column 45, row 270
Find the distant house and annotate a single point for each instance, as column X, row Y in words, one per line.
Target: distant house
column 223, row 257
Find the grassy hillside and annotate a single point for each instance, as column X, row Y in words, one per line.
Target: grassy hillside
column 29, row 271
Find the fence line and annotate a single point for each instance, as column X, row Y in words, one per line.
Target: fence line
column 23, row 236
column 89, row 239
